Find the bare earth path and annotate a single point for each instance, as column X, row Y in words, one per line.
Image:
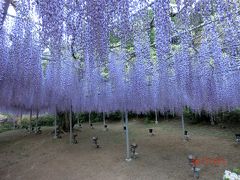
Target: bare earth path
column 161, row 157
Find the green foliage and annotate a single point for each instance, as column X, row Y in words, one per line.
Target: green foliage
column 204, row 117
column 237, row 170
column 24, row 122
column 46, row 120
column 83, row 117
column 195, row 118
column 152, row 35
column 115, row 116
column 98, row 117
column 5, row 126
column 148, row 120
column 230, row 117
column 114, row 39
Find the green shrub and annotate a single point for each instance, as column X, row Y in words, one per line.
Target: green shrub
column 236, row 170
column 230, row 117
column 116, row 116
column 194, row 118
column 46, row 120
column 97, row 117
column 219, row 117
column 147, row 120
column 83, row 117
column 6, row 126
column 24, row 122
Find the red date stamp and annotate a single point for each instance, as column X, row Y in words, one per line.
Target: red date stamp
column 219, row 161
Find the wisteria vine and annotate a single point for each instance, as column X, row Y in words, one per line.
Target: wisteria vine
column 107, row 56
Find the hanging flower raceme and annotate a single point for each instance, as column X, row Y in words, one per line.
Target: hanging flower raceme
column 52, row 16
column 3, row 66
column 98, row 29
column 68, row 84
column 3, row 55
column 121, row 55
column 124, row 24
column 162, row 24
column 141, row 68
column 14, row 74
column 52, row 84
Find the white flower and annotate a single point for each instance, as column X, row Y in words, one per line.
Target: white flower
column 230, row 175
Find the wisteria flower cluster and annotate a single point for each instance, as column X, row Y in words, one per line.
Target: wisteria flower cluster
column 120, row 55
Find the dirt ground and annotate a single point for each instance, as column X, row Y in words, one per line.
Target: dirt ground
column 163, row 156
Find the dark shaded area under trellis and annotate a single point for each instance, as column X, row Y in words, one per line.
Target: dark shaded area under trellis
column 226, row 118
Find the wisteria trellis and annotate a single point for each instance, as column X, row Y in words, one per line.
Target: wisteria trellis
column 102, row 58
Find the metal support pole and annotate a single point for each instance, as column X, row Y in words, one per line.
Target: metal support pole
column 70, row 124
column 127, row 137
column 78, row 121
column 36, row 124
column 89, row 118
column 21, row 116
column 55, row 125
column 30, row 122
column 212, row 120
column 156, row 117
column 14, row 122
column 122, row 119
column 104, row 119
column 183, row 127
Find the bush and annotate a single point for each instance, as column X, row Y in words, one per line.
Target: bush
column 236, row 170
column 46, row 120
column 116, row 116
column 230, row 117
column 98, row 117
column 194, row 118
column 147, row 120
column 219, row 117
column 83, row 117
column 24, row 122
column 6, row 126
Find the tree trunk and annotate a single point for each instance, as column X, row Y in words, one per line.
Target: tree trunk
column 64, row 122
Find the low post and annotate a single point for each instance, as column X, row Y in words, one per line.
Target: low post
column 127, row 137
column 70, row 124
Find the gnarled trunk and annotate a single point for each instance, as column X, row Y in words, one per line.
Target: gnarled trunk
column 63, row 120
